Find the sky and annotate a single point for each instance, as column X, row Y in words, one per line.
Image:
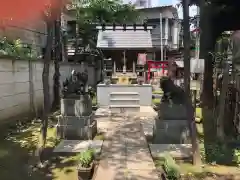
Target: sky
column 154, row 3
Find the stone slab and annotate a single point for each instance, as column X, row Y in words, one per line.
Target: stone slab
column 114, row 153
column 178, row 151
column 103, row 124
column 122, row 158
column 145, row 111
column 147, row 125
column 75, row 146
column 139, row 158
column 103, row 112
column 107, row 172
column 142, row 174
column 134, row 135
column 112, row 164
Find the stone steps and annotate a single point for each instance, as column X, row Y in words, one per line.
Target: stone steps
column 124, row 95
column 124, row 108
column 124, row 102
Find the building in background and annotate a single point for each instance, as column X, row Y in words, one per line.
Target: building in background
column 142, row 4
column 171, row 28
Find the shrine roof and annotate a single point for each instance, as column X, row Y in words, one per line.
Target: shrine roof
column 124, row 39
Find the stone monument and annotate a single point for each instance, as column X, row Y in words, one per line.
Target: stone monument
column 76, row 119
column 171, row 126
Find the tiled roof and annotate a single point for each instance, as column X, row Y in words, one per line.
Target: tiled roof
column 130, row 39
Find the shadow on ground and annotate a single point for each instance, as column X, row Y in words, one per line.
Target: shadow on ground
column 19, row 155
column 124, row 148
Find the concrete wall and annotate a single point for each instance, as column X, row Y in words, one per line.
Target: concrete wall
column 21, row 87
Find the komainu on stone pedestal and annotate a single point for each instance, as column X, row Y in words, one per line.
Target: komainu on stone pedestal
column 76, row 120
column 171, row 126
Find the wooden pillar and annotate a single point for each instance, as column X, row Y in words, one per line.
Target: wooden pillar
column 166, row 31
column 124, row 62
column 165, row 54
column 134, row 66
column 114, row 67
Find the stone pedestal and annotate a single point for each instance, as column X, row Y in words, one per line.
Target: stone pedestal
column 76, row 120
column 76, row 106
column 172, row 112
column 171, row 126
column 171, row 132
column 76, row 128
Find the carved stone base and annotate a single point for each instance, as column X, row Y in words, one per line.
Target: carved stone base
column 79, row 106
column 76, row 128
column 171, row 132
column 172, row 111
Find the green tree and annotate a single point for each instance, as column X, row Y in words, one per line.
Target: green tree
column 216, row 16
column 89, row 13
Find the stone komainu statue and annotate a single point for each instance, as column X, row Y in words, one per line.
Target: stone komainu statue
column 76, row 84
column 172, row 92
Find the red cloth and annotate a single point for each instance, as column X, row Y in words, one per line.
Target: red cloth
column 18, row 11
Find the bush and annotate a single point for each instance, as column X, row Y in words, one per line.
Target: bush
column 16, row 49
column 236, row 157
column 171, row 168
column 86, row 158
column 225, row 153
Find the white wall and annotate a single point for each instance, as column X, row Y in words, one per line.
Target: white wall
column 154, row 13
column 21, row 85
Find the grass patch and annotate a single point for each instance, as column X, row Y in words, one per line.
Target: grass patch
column 199, row 113
column 99, row 136
column 18, row 156
column 159, row 91
column 94, row 101
column 208, row 172
column 205, row 172
column 156, row 101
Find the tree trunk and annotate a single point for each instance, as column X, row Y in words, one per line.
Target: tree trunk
column 56, row 77
column 222, row 103
column 45, row 81
column 207, row 45
column 190, row 112
column 209, row 34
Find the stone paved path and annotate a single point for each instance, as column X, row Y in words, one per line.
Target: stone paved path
column 125, row 155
